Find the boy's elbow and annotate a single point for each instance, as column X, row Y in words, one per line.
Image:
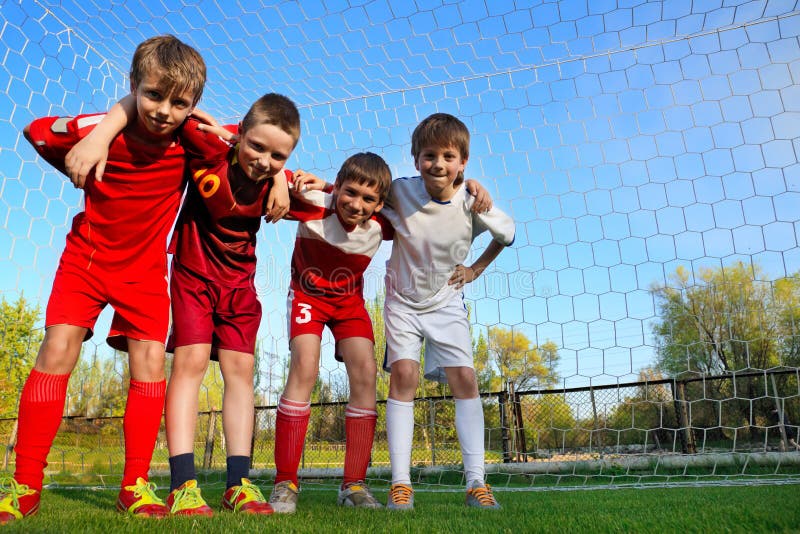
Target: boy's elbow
column 27, row 133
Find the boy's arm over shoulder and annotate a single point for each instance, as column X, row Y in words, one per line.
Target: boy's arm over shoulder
column 387, row 230
column 53, row 137
column 496, row 221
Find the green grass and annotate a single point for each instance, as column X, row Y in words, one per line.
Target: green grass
column 680, row 509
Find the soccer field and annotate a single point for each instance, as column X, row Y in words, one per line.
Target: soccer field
column 682, row 509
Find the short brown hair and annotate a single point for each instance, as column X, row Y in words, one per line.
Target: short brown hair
column 441, row 130
column 275, row 109
column 179, row 66
column 366, row 168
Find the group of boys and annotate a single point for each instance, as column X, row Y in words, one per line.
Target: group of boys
column 116, row 253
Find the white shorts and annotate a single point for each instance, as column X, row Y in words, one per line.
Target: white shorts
column 445, row 332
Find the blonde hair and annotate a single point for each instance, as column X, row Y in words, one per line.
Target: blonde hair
column 366, row 168
column 274, row 109
column 179, row 66
column 440, row 130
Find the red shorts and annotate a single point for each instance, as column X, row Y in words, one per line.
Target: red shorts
column 204, row 311
column 141, row 306
column 346, row 316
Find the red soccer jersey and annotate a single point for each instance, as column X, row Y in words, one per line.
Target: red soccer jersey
column 329, row 258
column 216, row 233
column 127, row 217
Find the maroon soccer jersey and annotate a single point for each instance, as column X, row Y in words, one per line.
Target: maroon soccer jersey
column 216, row 233
column 127, row 217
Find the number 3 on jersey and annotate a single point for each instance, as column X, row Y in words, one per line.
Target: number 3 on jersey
column 303, row 313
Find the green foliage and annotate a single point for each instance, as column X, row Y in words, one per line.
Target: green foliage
column 521, row 363
column 19, row 344
column 98, row 387
column 726, row 320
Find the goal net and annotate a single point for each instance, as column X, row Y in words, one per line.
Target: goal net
column 643, row 327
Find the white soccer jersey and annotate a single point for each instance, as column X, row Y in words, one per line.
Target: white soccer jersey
column 430, row 239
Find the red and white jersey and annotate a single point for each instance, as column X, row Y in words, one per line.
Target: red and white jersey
column 127, row 217
column 430, row 239
column 216, row 232
column 329, row 257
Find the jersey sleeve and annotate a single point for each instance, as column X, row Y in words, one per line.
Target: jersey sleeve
column 387, row 230
column 496, row 221
column 202, row 145
column 53, row 137
column 307, row 206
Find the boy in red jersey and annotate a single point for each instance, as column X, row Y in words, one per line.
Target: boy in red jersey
column 115, row 254
column 215, row 309
column 338, row 234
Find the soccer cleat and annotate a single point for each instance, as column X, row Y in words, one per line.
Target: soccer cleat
column 357, row 495
column 479, row 495
column 187, row 500
column 140, row 500
column 16, row 501
column 401, row 497
column 284, row 497
column 245, row 499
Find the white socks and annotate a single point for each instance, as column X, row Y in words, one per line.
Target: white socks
column 399, row 434
column 469, row 427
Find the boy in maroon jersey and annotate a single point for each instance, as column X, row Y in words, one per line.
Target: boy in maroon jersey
column 215, row 309
column 115, row 254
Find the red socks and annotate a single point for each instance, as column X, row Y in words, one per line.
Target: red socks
column 359, row 427
column 140, row 426
column 41, row 407
column 291, row 424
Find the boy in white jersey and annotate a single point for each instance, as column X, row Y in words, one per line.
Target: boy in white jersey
column 434, row 229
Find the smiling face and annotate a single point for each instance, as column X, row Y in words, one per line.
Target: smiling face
column 160, row 111
column 263, row 151
column 440, row 167
column 356, row 202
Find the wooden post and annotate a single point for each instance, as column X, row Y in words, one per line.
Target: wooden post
column 212, row 426
column 779, row 409
column 520, row 427
column 595, row 425
column 684, row 425
column 502, row 401
column 253, row 439
column 432, row 423
column 12, row 441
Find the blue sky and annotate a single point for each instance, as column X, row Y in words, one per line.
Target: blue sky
column 625, row 138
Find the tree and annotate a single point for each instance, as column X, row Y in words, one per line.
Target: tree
column 520, row 363
column 97, row 388
column 726, row 320
column 19, row 344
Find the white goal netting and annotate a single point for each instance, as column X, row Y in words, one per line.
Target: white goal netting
column 645, row 325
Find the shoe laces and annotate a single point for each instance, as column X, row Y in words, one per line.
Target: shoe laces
column 250, row 491
column 11, row 491
column 144, row 489
column 401, row 494
column 186, row 498
column 483, row 494
column 361, row 489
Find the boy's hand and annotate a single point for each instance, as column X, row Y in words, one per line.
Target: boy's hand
column 305, row 181
column 483, row 201
column 278, row 198
column 204, row 117
column 82, row 158
column 222, row 132
column 463, row 275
